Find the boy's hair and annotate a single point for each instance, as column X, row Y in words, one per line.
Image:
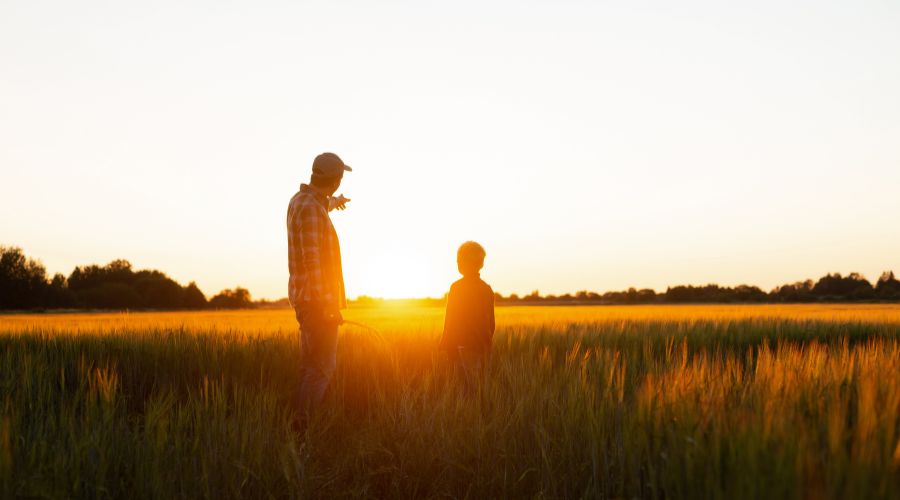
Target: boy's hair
column 472, row 254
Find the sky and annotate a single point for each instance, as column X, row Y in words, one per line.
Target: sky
column 587, row 145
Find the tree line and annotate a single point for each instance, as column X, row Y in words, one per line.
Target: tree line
column 829, row 288
column 24, row 284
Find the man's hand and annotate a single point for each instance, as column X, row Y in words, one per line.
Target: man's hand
column 333, row 315
column 338, row 202
column 325, row 312
column 330, row 312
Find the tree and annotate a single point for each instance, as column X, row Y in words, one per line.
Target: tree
column 888, row 287
column 158, row 291
column 94, row 276
column 58, row 293
column 239, row 298
column 746, row 293
column 23, row 281
column 105, row 287
column 192, row 297
column 110, row 296
column 836, row 287
column 800, row 291
column 94, row 286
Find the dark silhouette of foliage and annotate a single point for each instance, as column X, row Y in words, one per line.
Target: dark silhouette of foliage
column 157, row 291
column 800, row 291
column 630, row 296
column 192, row 297
column 23, row 281
column 834, row 287
column 830, row 288
column 281, row 303
column 58, row 294
column 24, row 285
column 94, row 276
column 714, row 293
column 888, row 287
column 117, row 286
column 239, row 298
column 109, row 295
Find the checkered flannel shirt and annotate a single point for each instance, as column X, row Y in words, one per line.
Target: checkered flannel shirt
column 314, row 254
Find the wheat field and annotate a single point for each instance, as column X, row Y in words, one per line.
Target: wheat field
column 579, row 402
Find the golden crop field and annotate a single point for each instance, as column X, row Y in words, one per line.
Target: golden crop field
column 402, row 317
column 597, row 402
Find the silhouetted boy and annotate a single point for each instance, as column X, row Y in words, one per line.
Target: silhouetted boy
column 469, row 322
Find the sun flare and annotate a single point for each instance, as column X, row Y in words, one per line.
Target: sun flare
column 401, row 275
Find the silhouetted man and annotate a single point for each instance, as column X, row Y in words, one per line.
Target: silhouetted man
column 316, row 286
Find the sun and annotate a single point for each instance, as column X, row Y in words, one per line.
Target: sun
column 393, row 275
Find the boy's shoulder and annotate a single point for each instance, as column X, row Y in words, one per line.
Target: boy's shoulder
column 459, row 284
column 471, row 282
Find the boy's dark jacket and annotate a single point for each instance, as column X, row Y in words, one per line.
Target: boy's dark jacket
column 469, row 322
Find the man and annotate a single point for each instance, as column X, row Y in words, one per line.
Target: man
column 316, row 286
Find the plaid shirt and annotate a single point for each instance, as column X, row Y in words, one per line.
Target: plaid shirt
column 314, row 254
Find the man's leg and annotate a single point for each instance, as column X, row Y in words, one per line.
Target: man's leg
column 318, row 356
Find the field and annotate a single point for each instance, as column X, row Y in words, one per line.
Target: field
column 597, row 402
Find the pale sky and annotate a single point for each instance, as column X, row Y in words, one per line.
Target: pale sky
column 587, row 145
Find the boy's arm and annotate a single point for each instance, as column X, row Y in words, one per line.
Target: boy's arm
column 491, row 321
column 449, row 321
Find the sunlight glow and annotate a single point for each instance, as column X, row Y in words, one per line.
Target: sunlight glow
column 398, row 275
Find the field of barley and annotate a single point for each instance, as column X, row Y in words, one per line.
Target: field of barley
column 579, row 402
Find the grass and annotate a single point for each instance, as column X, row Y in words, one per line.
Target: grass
column 608, row 402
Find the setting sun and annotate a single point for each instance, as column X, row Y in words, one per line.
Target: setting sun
column 398, row 274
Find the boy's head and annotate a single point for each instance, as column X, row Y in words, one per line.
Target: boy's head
column 470, row 258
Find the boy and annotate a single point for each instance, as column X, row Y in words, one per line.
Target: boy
column 469, row 321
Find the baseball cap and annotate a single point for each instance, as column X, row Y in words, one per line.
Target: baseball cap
column 330, row 165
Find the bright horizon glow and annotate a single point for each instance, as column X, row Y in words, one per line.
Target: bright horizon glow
column 585, row 145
